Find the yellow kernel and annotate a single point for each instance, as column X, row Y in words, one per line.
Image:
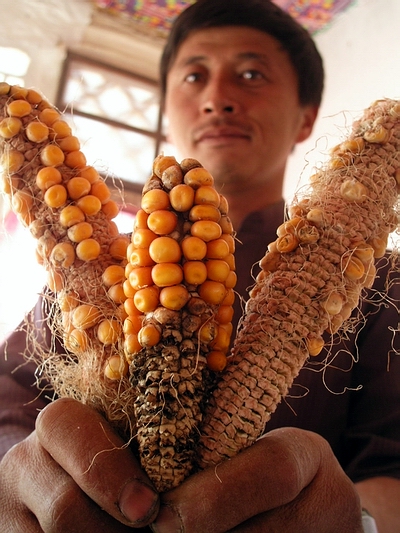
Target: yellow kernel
column 207, row 230
column 380, row 135
column 75, row 159
column 133, row 324
column 204, row 212
column 287, row 243
column 229, row 298
column 37, row 132
column 19, row 108
column 315, row 345
column 12, row 161
column 55, row 196
column 174, row 297
column 4, row 88
column 139, row 257
column 68, row 300
column 231, row 280
column 108, row 331
column 353, row 191
column 117, row 248
column 193, row 248
column 9, row 184
column 129, row 291
column 60, row 129
column 208, row 332
column 217, row 249
column 48, row 176
column 217, row 269
column 197, row 177
column 149, row 335
column 195, row 272
column 165, row 250
column 85, row 316
column 161, row 163
column 130, row 306
column 224, row 315
column 142, row 238
column 166, row 274
column 147, row 299
column 110, row 209
column 216, row 361
column 222, row 340
column 162, row 221
column 116, row 293
column 70, row 215
column 55, row 280
column 207, row 195
column 223, row 205
column 69, row 143
column 140, row 277
column 229, row 239
column 49, row 115
column 379, row 245
column 141, row 220
column 182, row 197
column 52, row 156
column 131, row 344
column 101, row 190
column 364, row 251
column 62, row 255
column 154, row 200
column 22, row 201
column 116, row 368
column 89, row 204
column 333, row 303
column 89, row 173
column 88, row 250
column 9, row 127
column 78, row 187
column 113, row 274
column 34, row 97
column 77, row 341
column 353, row 268
column 80, row 231
column 212, row 292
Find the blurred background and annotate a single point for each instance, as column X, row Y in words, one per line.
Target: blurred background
column 97, row 61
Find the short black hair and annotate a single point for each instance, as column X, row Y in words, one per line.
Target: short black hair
column 262, row 15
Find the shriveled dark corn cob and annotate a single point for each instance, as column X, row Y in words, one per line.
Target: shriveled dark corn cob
column 180, row 287
column 67, row 207
column 311, row 279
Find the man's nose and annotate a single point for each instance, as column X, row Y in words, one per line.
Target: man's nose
column 219, row 99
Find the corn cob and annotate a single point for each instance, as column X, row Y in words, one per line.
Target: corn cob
column 68, row 209
column 180, row 280
column 311, row 279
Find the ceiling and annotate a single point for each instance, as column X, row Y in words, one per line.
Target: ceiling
column 155, row 16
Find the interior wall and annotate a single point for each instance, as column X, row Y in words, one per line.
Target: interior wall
column 362, row 62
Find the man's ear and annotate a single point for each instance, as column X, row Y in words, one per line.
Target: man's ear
column 310, row 113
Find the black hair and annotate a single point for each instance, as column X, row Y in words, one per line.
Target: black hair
column 262, row 15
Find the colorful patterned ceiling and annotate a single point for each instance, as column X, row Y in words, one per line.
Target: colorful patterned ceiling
column 156, row 16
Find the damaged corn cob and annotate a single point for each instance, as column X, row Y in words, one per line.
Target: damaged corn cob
column 68, row 209
column 180, row 280
column 311, row 279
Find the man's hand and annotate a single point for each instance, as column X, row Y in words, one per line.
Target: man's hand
column 73, row 474
column 288, row 481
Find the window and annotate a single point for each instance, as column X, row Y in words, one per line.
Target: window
column 14, row 65
column 116, row 116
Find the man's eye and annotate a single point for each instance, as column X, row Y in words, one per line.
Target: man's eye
column 192, row 77
column 252, row 75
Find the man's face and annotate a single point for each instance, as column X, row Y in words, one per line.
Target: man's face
column 232, row 103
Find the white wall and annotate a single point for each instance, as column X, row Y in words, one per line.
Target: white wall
column 361, row 51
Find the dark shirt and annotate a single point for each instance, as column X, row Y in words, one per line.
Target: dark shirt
column 349, row 394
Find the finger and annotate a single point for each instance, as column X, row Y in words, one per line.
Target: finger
column 83, row 444
column 269, row 474
column 48, row 498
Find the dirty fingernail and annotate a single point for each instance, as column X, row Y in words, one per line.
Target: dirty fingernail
column 168, row 521
column 138, row 502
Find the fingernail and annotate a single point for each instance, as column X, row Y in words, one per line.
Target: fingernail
column 168, row 521
column 138, row 502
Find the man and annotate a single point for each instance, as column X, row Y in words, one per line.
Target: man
column 242, row 86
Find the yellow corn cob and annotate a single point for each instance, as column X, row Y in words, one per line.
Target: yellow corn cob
column 311, row 279
column 67, row 207
column 180, row 280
